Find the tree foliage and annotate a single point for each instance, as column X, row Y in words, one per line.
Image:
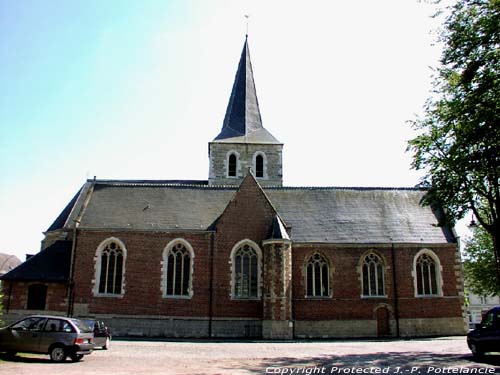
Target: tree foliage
column 458, row 141
column 480, row 264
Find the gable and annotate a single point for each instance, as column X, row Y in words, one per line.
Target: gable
column 250, row 214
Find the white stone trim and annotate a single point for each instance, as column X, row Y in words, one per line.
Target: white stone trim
column 238, row 164
column 164, row 268
column 264, row 165
column 258, row 250
column 439, row 275
column 97, row 267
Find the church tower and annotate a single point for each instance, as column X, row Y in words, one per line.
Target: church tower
column 243, row 143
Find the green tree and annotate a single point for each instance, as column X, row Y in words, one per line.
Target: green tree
column 480, row 264
column 458, row 141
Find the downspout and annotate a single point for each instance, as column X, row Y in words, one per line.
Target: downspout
column 395, row 286
column 71, row 282
column 211, row 288
column 10, row 296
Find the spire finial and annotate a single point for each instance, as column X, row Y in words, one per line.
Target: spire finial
column 247, row 16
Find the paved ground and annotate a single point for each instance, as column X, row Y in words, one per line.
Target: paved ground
column 442, row 356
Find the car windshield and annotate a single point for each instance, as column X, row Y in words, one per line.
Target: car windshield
column 82, row 326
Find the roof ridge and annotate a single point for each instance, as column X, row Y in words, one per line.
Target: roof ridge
column 358, row 188
column 203, row 184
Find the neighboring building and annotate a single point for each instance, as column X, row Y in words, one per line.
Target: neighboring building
column 240, row 255
column 478, row 306
column 7, row 263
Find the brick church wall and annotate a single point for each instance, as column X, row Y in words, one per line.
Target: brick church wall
column 348, row 314
column 143, row 273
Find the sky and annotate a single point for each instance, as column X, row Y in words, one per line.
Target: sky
column 125, row 89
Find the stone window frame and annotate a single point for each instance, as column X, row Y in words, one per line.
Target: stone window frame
column 438, row 273
column 238, row 163
column 383, row 263
column 98, row 265
column 164, row 269
column 329, row 265
column 264, row 176
column 258, row 252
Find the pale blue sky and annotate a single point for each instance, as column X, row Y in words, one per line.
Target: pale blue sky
column 136, row 89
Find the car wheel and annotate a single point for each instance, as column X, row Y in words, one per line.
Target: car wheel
column 106, row 345
column 477, row 352
column 76, row 357
column 57, row 354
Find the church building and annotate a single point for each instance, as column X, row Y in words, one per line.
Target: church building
column 241, row 255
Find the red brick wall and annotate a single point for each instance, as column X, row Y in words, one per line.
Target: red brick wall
column 16, row 298
column 346, row 285
column 143, row 271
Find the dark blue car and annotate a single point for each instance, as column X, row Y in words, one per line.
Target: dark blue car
column 486, row 337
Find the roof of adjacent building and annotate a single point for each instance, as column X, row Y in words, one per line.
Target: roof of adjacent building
column 310, row 214
column 50, row 264
column 8, row 262
column 243, row 122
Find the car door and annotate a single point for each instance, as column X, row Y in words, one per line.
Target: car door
column 26, row 334
column 55, row 331
column 489, row 337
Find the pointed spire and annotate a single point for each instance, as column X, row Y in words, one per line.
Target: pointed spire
column 242, row 113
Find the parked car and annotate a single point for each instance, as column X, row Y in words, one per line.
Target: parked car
column 102, row 334
column 56, row 336
column 486, row 338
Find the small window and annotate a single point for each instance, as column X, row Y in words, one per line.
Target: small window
column 491, row 320
column 317, row 276
column 37, row 295
column 373, row 276
column 259, row 166
column 233, row 161
column 34, row 323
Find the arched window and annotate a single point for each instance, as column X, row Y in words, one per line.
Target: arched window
column 373, row 275
column 427, row 275
column 110, row 267
column 259, row 166
column 317, row 276
column 246, row 270
column 232, row 165
column 37, row 295
column 178, row 266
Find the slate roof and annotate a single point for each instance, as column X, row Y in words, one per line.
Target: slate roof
column 311, row 214
column 243, row 122
column 51, row 264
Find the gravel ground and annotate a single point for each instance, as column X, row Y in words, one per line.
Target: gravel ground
column 441, row 356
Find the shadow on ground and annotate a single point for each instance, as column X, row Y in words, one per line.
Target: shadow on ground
column 31, row 358
column 411, row 363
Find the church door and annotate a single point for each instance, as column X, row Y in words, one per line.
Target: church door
column 383, row 327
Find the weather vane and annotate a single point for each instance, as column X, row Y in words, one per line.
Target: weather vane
column 247, row 16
